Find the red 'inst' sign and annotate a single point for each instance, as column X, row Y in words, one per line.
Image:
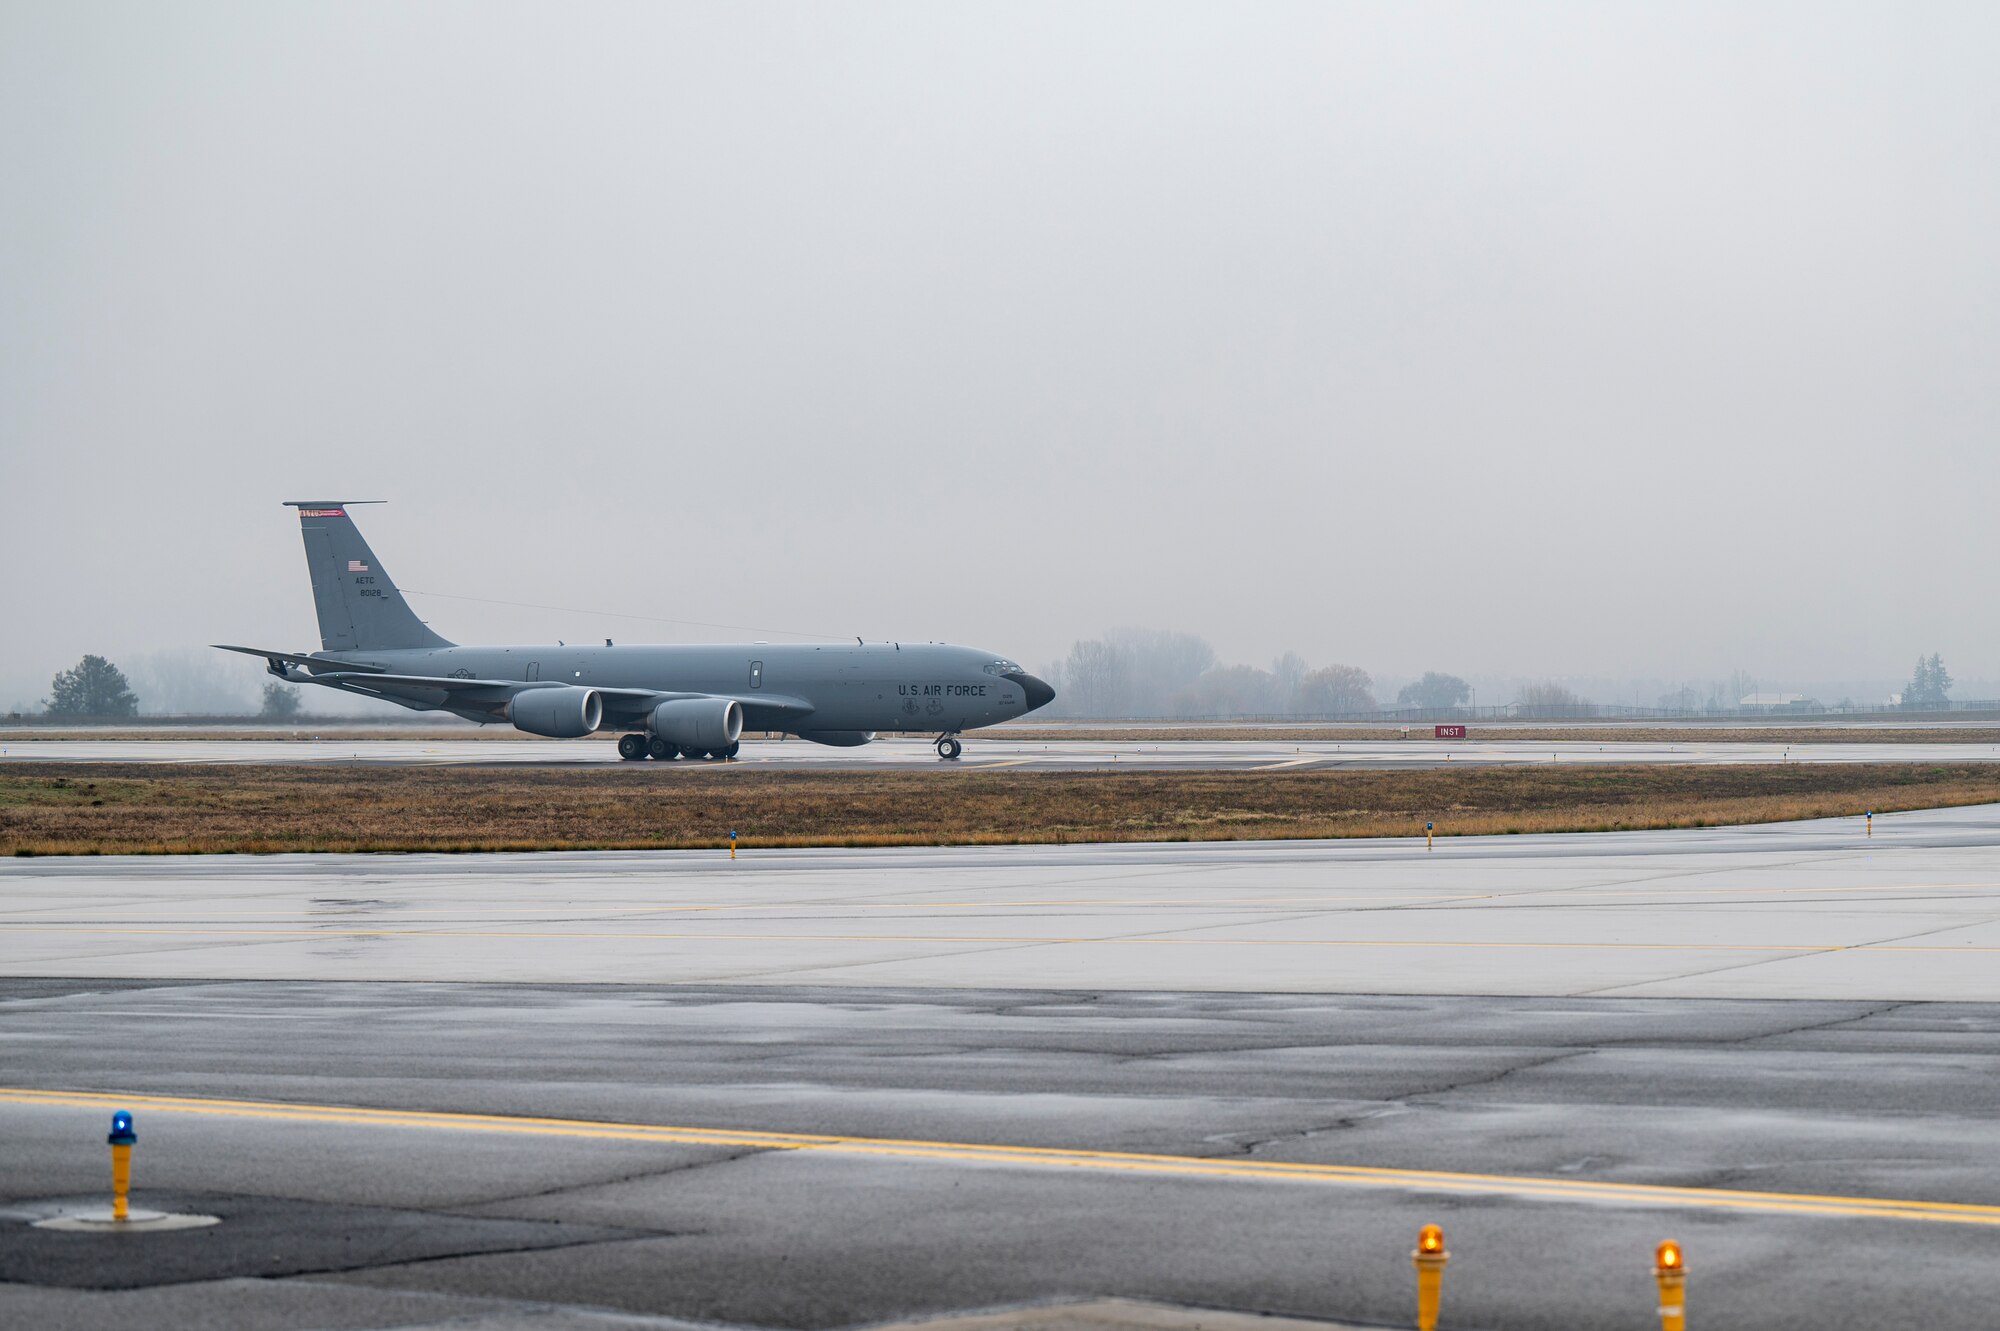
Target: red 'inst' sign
column 1450, row 732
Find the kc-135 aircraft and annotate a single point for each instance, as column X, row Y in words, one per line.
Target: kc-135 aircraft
column 692, row 702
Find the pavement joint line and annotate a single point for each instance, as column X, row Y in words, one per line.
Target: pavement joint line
column 1287, row 904
column 1364, row 1176
column 1023, row 939
column 1248, row 904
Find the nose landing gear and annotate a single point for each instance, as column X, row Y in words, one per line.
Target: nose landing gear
column 949, row 748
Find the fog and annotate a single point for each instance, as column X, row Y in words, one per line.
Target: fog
column 1628, row 346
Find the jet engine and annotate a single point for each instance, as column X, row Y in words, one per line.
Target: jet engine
column 698, row 723
column 839, row 739
column 563, row 711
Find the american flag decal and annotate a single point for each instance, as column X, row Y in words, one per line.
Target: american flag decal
column 356, row 566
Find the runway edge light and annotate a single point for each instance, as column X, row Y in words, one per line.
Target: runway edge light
column 1429, row 1257
column 122, row 1140
column 1670, row 1270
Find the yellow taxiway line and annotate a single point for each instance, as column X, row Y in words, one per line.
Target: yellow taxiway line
column 974, row 1153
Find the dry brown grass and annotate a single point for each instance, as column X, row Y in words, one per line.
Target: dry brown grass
column 119, row 809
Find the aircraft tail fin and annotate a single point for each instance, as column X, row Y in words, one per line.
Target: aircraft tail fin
column 359, row 607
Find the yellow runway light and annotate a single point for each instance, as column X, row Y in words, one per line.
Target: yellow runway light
column 1670, row 1270
column 1429, row 1258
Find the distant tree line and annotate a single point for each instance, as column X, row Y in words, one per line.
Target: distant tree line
column 1159, row 673
column 1929, row 689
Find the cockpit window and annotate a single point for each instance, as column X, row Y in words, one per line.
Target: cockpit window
column 1001, row 668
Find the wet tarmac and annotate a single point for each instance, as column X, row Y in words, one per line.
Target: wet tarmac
column 826, row 1089
column 1796, row 910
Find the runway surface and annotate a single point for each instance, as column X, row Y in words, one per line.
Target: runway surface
column 404, row 1155
column 1799, row 910
column 828, row 1089
column 995, row 753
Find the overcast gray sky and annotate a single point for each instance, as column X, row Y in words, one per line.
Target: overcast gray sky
column 1529, row 338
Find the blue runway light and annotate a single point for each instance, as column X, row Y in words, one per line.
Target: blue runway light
column 121, row 1129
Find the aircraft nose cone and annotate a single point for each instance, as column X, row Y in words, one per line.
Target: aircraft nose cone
column 1039, row 693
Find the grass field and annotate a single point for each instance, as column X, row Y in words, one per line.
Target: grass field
column 126, row 809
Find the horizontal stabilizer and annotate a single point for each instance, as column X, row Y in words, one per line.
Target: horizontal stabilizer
column 278, row 660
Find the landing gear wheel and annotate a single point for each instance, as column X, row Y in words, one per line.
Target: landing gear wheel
column 631, row 747
column 659, row 748
column 735, row 746
column 949, row 748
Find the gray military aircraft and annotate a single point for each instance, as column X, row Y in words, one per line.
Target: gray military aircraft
column 692, row 702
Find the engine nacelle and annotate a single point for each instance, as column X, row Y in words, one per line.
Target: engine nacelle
column 698, row 723
column 839, row 739
column 563, row 711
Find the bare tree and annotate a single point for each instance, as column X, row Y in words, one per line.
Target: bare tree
column 1160, row 666
column 1232, row 691
column 1336, row 689
column 1548, row 698
column 1131, row 672
column 1095, row 677
column 1435, row 692
column 1289, row 670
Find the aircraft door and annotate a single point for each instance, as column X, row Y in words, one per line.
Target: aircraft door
column 756, row 674
column 534, row 671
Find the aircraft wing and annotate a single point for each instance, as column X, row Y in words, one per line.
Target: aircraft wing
column 629, row 706
column 623, row 706
column 279, row 660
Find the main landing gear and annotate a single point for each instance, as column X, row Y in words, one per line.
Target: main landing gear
column 633, row 747
column 949, row 748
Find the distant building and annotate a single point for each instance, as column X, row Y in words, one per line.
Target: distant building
column 1778, row 702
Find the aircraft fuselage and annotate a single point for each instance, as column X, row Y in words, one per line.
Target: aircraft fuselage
column 928, row 687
